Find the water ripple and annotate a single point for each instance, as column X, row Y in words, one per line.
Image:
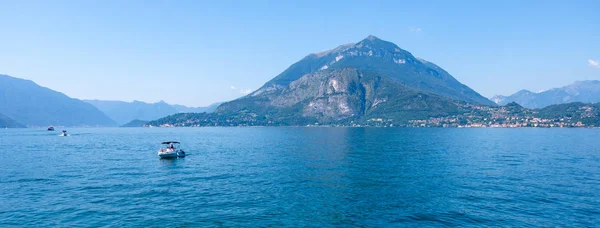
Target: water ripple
column 316, row 177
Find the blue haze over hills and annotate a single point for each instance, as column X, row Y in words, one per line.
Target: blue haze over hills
column 123, row 112
column 24, row 103
column 580, row 91
column 32, row 105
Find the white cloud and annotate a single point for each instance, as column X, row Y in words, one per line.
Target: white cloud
column 233, row 88
column 245, row 91
column 413, row 29
column 594, row 63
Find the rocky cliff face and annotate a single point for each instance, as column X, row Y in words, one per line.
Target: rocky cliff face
column 339, row 95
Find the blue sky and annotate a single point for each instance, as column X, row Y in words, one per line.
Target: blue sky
column 199, row 52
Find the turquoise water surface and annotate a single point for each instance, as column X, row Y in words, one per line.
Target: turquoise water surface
column 316, row 177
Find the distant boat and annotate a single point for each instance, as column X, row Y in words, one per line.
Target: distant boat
column 64, row 133
column 169, row 151
column 51, row 128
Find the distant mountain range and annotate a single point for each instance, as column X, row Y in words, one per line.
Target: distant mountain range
column 580, row 91
column 355, row 82
column 23, row 102
column 32, row 105
column 124, row 112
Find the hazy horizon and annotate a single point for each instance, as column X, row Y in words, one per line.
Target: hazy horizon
column 195, row 53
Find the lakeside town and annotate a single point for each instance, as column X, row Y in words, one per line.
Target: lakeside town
column 572, row 115
column 508, row 122
column 513, row 116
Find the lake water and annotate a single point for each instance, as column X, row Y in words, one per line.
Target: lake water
column 301, row 177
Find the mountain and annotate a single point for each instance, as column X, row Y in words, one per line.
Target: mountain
column 580, row 91
column 6, row 122
column 383, row 58
column 523, row 97
column 136, row 123
column 123, row 112
column 370, row 79
column 32, row 105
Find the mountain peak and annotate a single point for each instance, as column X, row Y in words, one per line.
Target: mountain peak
column 371, row 37
column 373, row 40
column 374, row 43
column 523, row 92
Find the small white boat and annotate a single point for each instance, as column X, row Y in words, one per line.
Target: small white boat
column 64, row 133
column 170, row 151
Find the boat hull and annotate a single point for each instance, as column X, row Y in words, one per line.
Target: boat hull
column 171, row 154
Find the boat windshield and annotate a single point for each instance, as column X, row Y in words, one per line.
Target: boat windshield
column 170, row 146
